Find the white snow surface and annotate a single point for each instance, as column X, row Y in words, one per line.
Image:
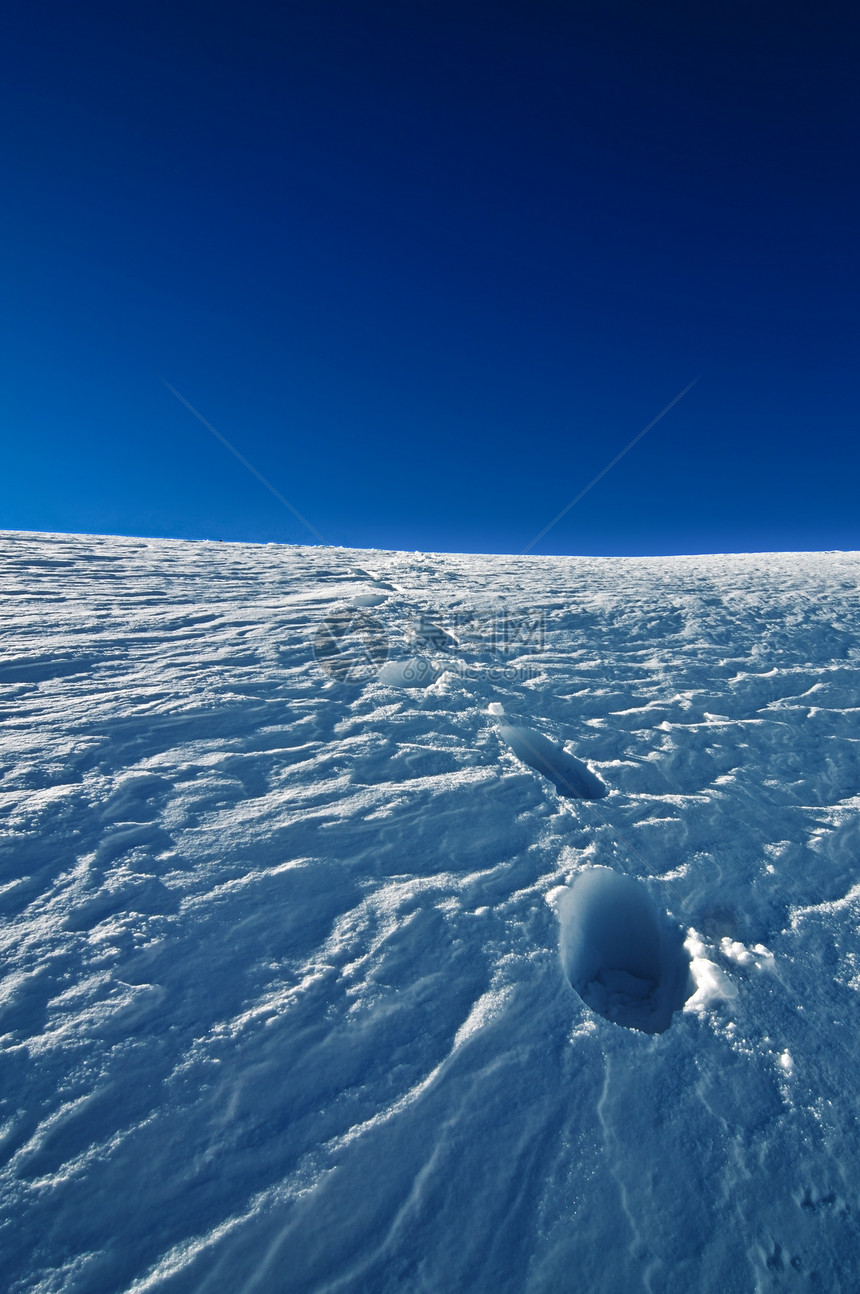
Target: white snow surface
column 296, row 969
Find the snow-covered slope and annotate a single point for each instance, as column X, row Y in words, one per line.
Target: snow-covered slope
column 399, row 922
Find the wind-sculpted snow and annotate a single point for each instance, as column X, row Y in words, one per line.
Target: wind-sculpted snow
column 324, row 971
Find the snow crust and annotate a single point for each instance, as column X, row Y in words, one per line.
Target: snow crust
column 382, row 922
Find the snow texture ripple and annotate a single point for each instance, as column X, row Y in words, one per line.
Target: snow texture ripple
column 404, row 922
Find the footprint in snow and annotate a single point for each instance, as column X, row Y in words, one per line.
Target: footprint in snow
column 416, row 671
column 426, row 633
column 621, row 955
column 372, row 578
column 369, row 599
column 570, row 776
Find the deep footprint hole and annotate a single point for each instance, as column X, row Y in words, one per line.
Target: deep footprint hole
column 569, row 775
column 624, row 957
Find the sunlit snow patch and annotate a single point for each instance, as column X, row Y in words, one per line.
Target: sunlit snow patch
column 568, row 775
column 621, row 955
column 712, row 984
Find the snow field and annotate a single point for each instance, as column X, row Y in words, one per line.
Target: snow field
column 318, row 952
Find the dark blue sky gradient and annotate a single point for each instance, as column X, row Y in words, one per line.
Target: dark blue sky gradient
column 429, row 267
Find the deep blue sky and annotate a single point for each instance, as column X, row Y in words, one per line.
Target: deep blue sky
column 429, row 266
